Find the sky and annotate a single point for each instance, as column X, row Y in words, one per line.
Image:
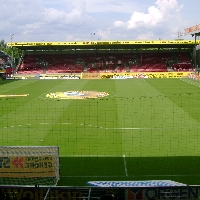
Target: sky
column 86, row 20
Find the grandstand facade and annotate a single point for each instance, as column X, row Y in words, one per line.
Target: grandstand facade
column 105, row 57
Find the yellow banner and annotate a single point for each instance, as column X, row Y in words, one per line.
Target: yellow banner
column 2, row 71
column 147, row 75
column 27, row 166
column 91, row 76
column 28, row 162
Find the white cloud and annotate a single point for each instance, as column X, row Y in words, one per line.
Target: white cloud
column 145, row 36
column 31, row 17
column 103, row 6
column 63, row 20
column 101, row 34
column 163, row 11
column 119, row 24
column 168, row 5
column 29, row 28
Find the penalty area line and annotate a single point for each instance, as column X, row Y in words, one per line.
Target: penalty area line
column 88, row 155
column 126, row 171
column 131, row 128
column 169, row 175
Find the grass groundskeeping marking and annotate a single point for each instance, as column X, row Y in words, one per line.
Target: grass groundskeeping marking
column 13, row 95
column 154, row 123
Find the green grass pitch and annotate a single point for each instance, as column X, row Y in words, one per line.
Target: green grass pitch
column 146, row 129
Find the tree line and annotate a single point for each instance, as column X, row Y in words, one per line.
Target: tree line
column 10, row 51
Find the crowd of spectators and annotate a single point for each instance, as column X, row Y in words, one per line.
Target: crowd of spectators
column 104, row 62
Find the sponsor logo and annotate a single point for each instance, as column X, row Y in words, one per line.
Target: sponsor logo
column 22, row 164
column 26, row 166
column 151, row 183
column 121, row 77
column 77, row 95
column 70, row 77
column 162, row 193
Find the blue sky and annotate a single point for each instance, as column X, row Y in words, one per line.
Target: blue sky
column 81, row 20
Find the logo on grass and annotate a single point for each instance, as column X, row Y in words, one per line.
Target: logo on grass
column 77, row 95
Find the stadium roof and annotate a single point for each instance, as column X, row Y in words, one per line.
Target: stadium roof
column 134, row 44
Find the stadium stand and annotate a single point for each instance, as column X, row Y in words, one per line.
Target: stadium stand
column 50, row 63
column 5, row 64
column 4, row 60
column 182, row 62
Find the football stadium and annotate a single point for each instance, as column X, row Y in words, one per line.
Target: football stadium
column 116, row 118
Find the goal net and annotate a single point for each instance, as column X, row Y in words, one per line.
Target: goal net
column 29, row 165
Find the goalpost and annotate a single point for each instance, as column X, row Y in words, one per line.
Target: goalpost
column 29, row 165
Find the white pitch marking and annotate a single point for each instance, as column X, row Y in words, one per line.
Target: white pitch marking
column 126, row 171
column 89, row 155
column 129, row 128
column 123, row 176
column 93, row 176
column 100, row 127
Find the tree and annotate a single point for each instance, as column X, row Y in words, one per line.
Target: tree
column 9, row 50
column 3, row 43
